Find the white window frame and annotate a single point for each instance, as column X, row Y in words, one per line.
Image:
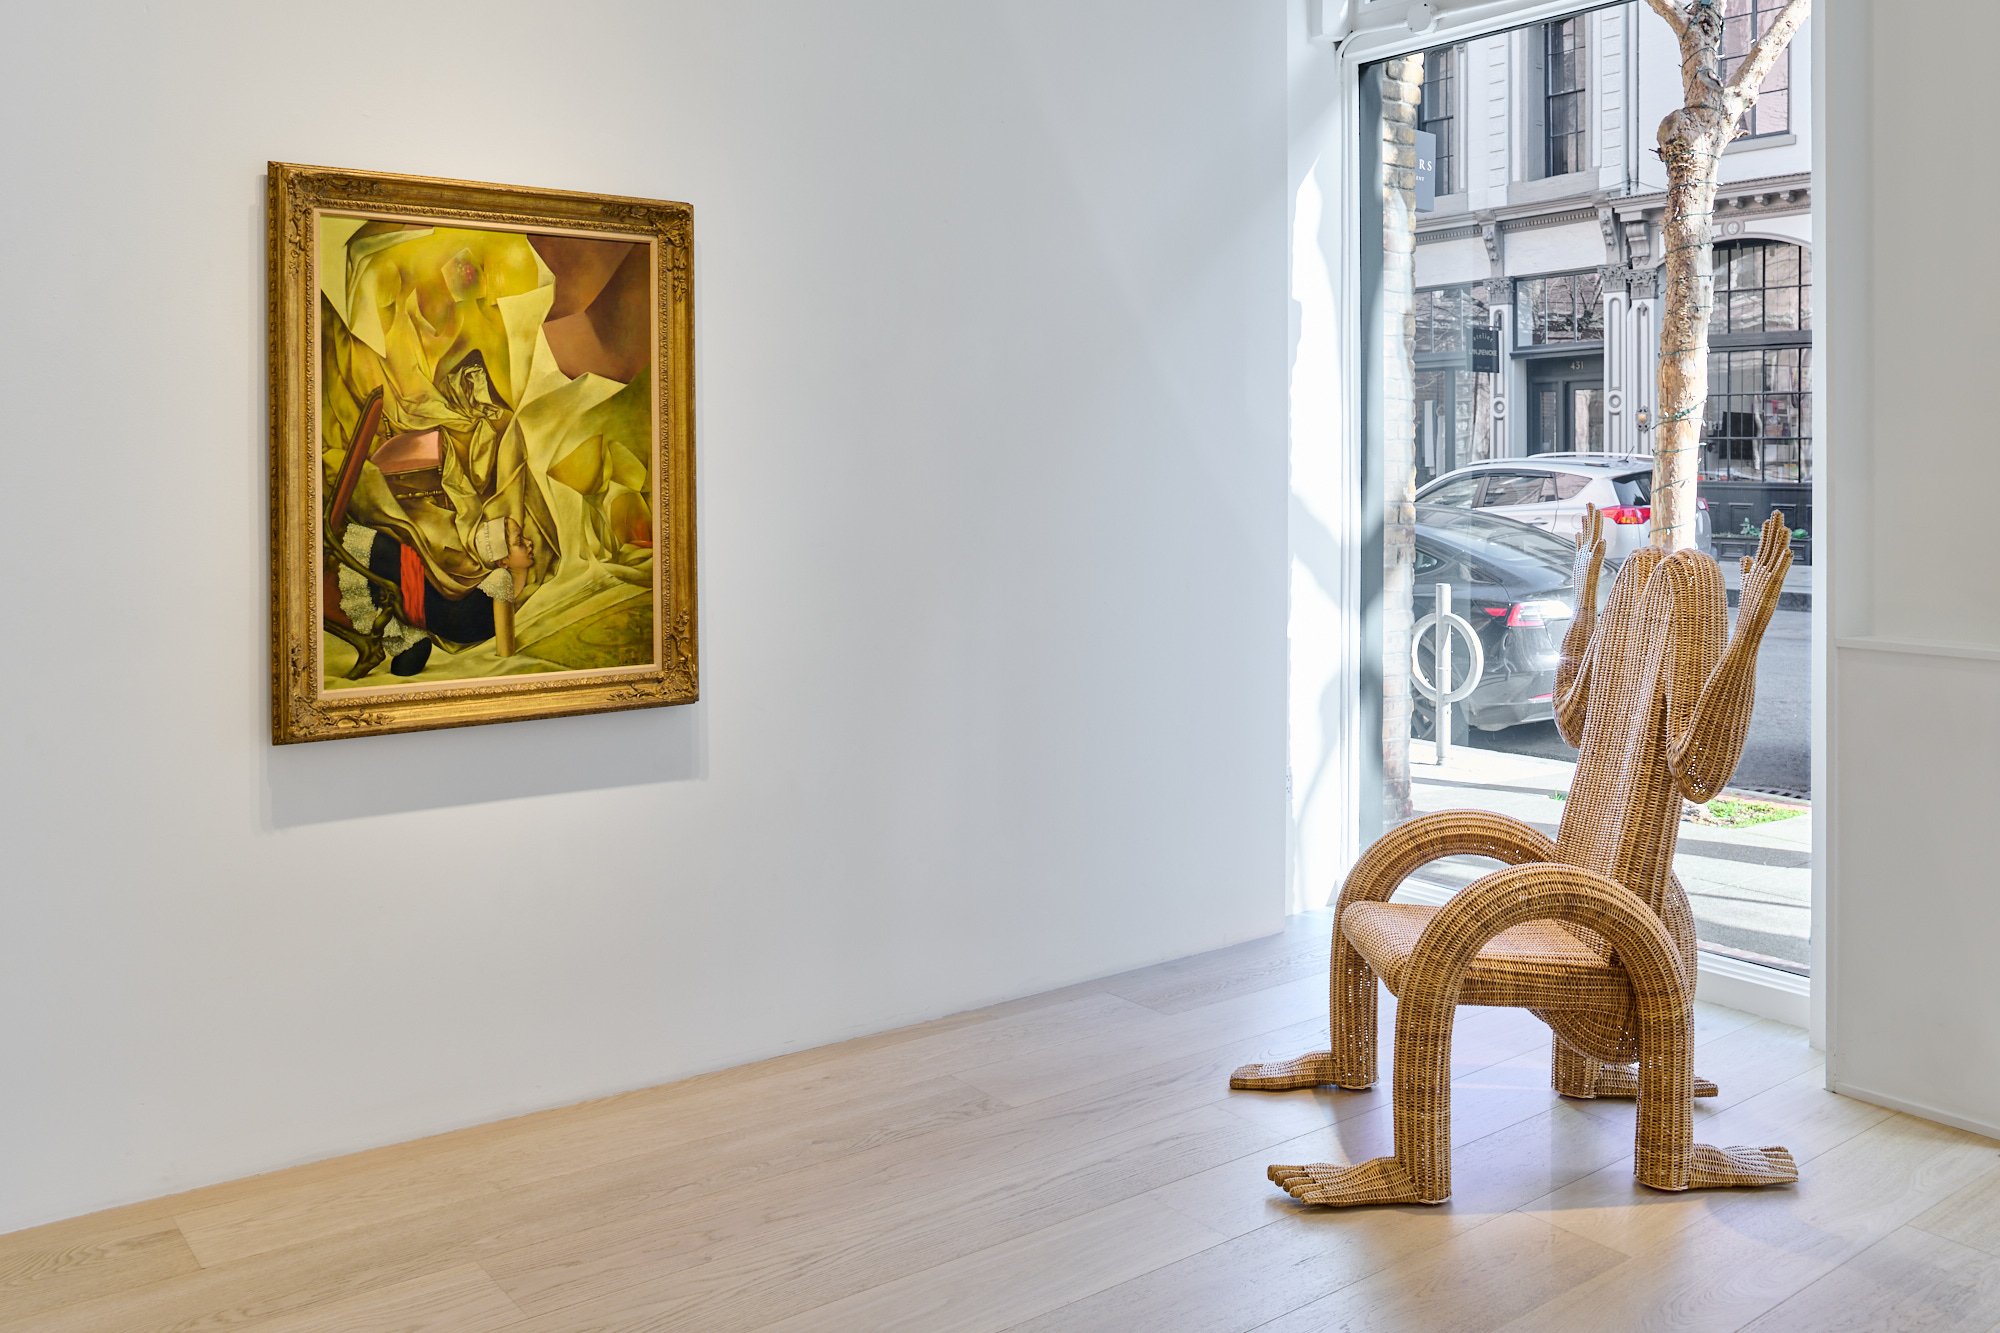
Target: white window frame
column 1364, row 32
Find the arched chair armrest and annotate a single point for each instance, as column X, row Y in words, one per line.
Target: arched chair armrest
column 1349, row 1060
column 1407, row 848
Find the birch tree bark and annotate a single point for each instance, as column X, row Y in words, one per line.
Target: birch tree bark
column 1692, row 138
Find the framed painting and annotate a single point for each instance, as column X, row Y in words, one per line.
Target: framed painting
column 482, row 453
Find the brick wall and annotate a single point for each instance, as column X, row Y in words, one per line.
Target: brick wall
column 1402, row 86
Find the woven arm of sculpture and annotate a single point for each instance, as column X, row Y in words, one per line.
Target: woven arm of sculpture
column 1543, row 891
column 1666, row 1155
column 1573, row 667
column 1349, row 1060
column 1709, row 716
column 1409, row 847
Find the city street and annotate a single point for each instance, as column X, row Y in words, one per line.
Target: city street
column 1751, row 888
column 1778, row 758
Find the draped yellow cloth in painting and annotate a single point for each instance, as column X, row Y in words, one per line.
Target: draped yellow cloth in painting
column 449, row 323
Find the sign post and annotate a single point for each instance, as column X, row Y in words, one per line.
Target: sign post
column 1445, row 624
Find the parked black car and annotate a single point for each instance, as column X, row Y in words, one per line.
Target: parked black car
column 1512, row 582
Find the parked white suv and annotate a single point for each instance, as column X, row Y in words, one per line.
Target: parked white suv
column 1550, row 491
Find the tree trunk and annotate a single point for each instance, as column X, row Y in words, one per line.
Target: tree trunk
column 1690, row 141
column 1692, row 138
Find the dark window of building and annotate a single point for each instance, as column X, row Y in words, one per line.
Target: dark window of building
column 1454, row 405
column 1759, row 415
column 1565, row 106
column 1743, row 21
column 1759, row 419
column 1437, row 113
column 1454, row 421
column 1561, row 308
column 1443, row 314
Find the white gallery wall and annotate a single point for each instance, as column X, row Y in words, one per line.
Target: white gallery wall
column 1913, row 765
column 1323, row 511
column 991, row 402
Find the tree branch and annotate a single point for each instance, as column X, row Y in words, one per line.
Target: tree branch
column 1671, row 12
column 1768, row 48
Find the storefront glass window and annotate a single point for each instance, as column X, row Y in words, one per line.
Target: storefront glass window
column 1561, row 308
column 1759, row 420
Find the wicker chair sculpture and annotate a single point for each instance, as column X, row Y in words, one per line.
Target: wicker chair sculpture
column 1592, row 932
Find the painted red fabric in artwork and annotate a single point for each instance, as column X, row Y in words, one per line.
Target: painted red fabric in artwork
column 413, row 586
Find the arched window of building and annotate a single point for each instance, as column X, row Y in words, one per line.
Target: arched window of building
column 1759, row 426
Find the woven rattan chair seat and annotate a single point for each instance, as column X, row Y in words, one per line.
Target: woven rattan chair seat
column 1537, row 965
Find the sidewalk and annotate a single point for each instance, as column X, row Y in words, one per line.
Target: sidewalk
column 1751, row 888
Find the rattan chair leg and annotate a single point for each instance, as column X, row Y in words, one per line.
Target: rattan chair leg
column 1352, row 1016
column 1350, row 1060
column 1665, row 1154
column 1571, row 1072
column 1574, row 1074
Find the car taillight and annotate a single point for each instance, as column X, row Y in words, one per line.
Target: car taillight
column 1535, row 615
column 1628, row 514
column 1701, row 504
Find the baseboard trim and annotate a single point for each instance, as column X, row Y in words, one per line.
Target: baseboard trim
column 1729, row 982
column 1764, row 991
column 1917, row 1109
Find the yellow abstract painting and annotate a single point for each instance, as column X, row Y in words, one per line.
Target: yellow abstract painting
column 487, row 426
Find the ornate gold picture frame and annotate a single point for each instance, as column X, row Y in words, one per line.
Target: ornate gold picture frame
column 482, row 453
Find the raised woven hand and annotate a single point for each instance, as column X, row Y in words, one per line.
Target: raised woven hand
column 1572, row 676
column 1589, row 556
column 1764, row 575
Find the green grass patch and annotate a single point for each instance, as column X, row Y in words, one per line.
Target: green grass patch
column 1725, row 812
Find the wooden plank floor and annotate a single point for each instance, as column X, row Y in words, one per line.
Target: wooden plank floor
column 1070, row 1161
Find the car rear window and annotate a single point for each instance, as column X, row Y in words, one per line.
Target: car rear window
column 1634, row 488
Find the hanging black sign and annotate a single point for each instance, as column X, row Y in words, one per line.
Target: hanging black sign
column 1482, row 349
